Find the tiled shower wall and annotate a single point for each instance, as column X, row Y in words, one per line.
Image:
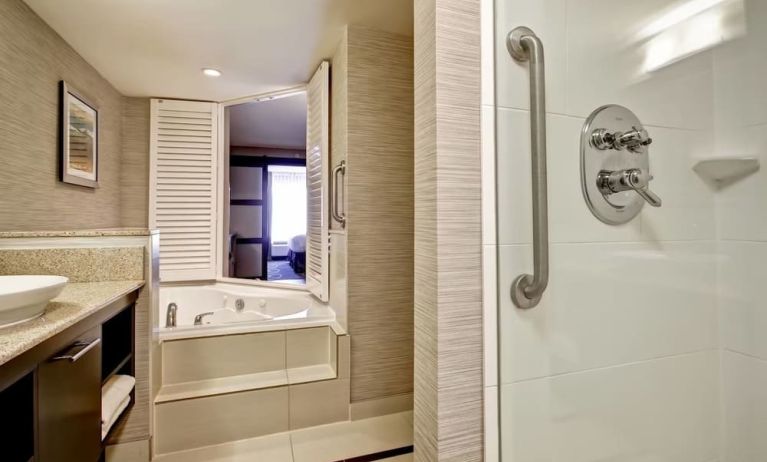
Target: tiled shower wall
column 740, row 103
column 620, row 360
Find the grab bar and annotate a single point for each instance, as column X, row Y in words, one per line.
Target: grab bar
column 527, row 289
column 338, row 216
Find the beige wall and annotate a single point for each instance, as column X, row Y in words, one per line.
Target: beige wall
column 372, row 79
column 134, row 165
column 33, row 58
column 448, row 277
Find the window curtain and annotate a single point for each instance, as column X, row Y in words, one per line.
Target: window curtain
column 288, row 203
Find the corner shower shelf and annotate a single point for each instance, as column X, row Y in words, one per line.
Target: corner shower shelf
column 724, row 170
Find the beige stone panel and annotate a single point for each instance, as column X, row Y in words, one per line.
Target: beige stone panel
column 309, row 347
column 204, row 358
column 319, row 403
column 211, row 420
column 382, row 406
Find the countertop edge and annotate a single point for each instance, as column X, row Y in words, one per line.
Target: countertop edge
column 79, row 233
column 22, row 341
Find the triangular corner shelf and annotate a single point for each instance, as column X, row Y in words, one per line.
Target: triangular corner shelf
column 725, row 170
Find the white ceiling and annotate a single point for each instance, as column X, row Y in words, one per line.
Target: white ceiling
column 277, row 123
column 158, row 47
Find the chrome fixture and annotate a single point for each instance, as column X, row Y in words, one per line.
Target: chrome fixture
column 632, row 179
column 527, row 289
column 615, row 165
column 198, row 319
column 170, row 315
column 334, row 206
column 239, row 304
column 633, row 140
column 77, row 351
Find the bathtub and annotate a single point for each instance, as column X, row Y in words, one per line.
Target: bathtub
column 264, row 309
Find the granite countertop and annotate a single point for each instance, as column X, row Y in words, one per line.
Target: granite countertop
column 76, row 302
column 80, row 233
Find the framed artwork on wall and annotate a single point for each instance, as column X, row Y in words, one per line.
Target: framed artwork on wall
column 79, row 147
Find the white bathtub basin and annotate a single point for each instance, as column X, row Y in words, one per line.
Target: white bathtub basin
column 261, row 309
column 24, row 297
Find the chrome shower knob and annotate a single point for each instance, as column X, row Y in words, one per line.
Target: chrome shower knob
column 633, row 140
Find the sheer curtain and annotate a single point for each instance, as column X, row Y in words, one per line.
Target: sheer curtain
column 288, row 185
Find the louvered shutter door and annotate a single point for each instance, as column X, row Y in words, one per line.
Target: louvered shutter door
column 317, row 171
column 182, row 203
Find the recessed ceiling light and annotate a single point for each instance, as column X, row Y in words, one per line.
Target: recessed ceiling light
column 210, row 72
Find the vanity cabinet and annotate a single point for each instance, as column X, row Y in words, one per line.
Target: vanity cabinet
column 69, row 402
column 50, row 395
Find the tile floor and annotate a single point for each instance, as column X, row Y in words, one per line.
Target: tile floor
column 325, row 443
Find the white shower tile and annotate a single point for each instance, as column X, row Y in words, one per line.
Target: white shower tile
column 739, row 72
column 547, row 19
column 608, row 304
column 744, row 396
column 687, row 212
column 513, row 177
column 605, row 59
column 742, row 295
column 740, row 207
column 663, row 410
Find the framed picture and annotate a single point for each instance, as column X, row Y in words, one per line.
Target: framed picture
column 79, row 156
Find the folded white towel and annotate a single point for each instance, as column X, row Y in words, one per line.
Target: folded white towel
column 113, row 393
column 106, row 426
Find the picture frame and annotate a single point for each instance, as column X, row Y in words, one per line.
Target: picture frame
column 79, row 138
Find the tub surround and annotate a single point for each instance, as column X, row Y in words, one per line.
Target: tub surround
column 299, row 379
column 76, row 302
column 281, row 362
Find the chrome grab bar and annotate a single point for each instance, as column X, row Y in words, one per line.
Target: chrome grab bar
column 527, row 289
column 338, row 216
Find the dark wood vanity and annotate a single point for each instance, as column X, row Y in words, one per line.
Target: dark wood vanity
column 50, row 395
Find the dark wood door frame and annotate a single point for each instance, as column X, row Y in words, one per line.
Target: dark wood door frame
column 265, row 202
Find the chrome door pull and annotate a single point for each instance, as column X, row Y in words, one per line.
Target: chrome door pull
column 334, row 206
column 527, row 289
column 77, row 351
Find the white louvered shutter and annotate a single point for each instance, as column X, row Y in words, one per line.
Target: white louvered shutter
column 317, row 171
column 182, row 199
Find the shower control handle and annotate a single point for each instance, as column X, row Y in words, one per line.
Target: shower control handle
column 632, row 179
column 633, row 140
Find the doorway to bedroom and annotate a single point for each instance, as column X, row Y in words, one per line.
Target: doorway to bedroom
column 267, row 193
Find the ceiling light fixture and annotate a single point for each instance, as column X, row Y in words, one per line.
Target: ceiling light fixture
column 210, row 72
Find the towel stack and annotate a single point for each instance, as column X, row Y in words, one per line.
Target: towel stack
column 115, row 398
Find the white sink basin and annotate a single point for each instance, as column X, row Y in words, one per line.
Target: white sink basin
column 24, row 297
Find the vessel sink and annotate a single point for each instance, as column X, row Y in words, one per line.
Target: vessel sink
column 24, row 297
